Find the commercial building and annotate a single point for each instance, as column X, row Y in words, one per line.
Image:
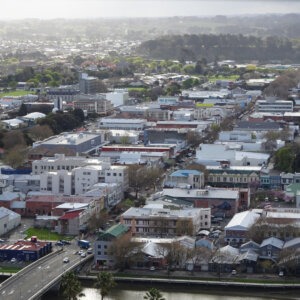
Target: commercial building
column 155, row 220
column 25, row 250
column 9, row 220
column 274, row 106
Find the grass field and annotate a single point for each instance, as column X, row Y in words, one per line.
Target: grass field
column 9, row 269
column 45, row 234
column 15, row 93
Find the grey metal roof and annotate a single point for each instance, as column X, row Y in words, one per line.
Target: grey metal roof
column 275, row 242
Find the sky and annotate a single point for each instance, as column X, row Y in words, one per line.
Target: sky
column 51, row 9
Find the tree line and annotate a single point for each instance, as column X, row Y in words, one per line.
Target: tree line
column 224, row 46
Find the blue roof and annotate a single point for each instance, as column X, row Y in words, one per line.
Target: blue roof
column 185, row 173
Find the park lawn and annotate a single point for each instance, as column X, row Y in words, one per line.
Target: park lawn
column 45, row 234
column 15, row 93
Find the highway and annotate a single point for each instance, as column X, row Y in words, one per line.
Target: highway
column 31, row 282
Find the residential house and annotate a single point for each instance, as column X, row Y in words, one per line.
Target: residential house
column 185, row 179
column 270, row 249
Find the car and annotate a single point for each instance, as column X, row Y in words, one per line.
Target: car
column 83, row 254
column 280, row 274
column 59, row 243
column 90, row 251
column 2, row 241
column 13, row 260
column 65, row 242
column 80, row 252
column 233, row 272
column 152, row 268
column 66, row 260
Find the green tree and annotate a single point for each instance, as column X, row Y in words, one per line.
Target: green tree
column 104, row 283
column 71, row 286
column 154, row 294
column 22, row 110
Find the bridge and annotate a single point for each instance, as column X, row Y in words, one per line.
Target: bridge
column 36, row 279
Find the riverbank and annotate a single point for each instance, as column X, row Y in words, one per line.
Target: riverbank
column 249, row 281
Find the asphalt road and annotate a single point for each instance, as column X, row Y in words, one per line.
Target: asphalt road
column 31, row 280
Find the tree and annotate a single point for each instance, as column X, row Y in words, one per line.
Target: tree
column 99, row 220
column 15, row 157
column 185, row 227
column 193, row 138
column 13, row 138
column 137, row 179
column 22, row 110
column 40, row 132
column 154, row 294
column 122, row 251
column 104, row 283
column 71, row 286
column 78, row 114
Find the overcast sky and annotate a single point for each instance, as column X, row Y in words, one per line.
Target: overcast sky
column 49, row 9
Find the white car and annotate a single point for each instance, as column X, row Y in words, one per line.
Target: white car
column 83, row 254
column 66, row 260
column 13, row 260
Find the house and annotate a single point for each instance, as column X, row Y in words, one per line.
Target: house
column 102, row 255
column 224, row 260
column 237, row 228
column 270, row 248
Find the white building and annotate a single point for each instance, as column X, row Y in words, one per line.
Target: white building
column 62, row 162
column 154, row 219
column 118, row 97
column 124, row 124
column 274, row 106
column 236, row 230
column 212, row 154
column 8, row 220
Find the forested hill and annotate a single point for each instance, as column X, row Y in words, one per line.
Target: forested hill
column 211, row 47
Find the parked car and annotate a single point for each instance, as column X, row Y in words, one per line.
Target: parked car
column 281, row 274
column 65, row 242
column 59, row 243
column 90, row 251
column 233, row 272
column 83, row 254
column 13, row 260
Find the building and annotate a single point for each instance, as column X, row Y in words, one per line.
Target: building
column 124, row 124
column 72, row 143
column 270, row 248
column 223, row 202
column 25, row 250
column 118, row 97
column 88, row 84
column 214, row 154
column 274, row 106
column 63, row 93
column 233, row 176
column 155, row 220
column 68, row 163
column 9, row 220
column 93, row 104
column 185, row 179
column 236, row 230
column 102, row 254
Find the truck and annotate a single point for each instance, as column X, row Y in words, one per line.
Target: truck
column 84, row 244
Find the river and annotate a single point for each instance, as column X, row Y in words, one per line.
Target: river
column 137, row 292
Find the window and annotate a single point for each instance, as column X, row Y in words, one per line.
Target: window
column 99, row 252
column 115, row 174
column 99, row 246
column 105, row 246
column 108, row 174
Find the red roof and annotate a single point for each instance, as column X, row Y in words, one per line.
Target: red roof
column 70, row 215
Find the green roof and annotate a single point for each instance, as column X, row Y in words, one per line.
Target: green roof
column 114, row 232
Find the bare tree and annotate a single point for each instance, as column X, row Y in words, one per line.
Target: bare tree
column 40, row 132
column 122, row 249
column 185, row 227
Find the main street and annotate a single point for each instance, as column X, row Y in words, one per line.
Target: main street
column 40, row 275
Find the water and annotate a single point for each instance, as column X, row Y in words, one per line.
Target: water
column 137, row 292
column 49, row 9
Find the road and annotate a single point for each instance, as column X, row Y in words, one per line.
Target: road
column 42, row 274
